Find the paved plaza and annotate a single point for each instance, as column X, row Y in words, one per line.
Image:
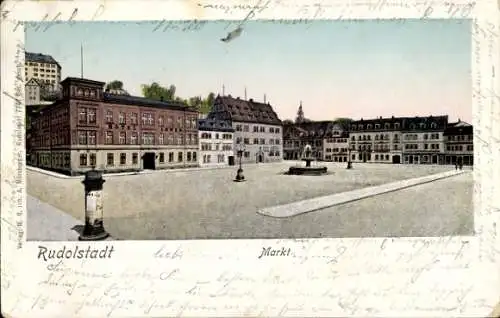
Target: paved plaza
column 200, row 204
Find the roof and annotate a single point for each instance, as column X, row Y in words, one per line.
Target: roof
column 214, row 125
column 83, row 81
column 241, row 110
column 406, row 123
column 33, row 81
column 313, row 129
column 142, row 101
column 39, row 57
column 458, row 128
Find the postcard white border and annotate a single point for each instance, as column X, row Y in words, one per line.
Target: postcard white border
column 404, row 277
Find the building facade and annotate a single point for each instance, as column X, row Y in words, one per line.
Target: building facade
column 458, row 138
column 376, row 140
column 257, row 128
column 88, row 128
column 336, row 144
column 216, row 143
column 43, row 68
column 298, row 135
column 423, row 140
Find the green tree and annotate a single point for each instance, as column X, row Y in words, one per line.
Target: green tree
column 114, row 85
column 344, row 122
column 157, row 92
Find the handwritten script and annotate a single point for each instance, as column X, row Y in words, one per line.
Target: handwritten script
column 332, row 280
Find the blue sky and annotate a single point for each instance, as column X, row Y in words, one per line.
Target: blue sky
column 357, row 69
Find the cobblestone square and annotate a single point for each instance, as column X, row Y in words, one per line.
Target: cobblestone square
column 207, row 204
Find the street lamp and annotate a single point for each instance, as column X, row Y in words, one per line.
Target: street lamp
column 349, row 163
column 239, row 173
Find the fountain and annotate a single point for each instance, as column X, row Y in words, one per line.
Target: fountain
column 308, row 169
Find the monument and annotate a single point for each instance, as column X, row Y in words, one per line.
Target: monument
column 313, row 170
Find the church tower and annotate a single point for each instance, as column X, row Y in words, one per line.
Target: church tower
column 300, row 115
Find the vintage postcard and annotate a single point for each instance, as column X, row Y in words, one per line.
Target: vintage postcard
column 315, row 158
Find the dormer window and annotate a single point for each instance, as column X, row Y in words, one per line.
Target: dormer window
column 79, row 92
column 412, row 126
column 87, row 93
column 387, row 126
column 423, row 126
column 433, row 125
column 92, row 93
column 369, row 126
column 360, row 127
column 377, row 126
column 396, row 125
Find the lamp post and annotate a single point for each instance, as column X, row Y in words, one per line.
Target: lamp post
column 349, row 163
column 239, row 173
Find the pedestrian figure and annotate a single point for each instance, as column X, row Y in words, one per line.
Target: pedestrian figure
column 456, row 166
column 461, row 165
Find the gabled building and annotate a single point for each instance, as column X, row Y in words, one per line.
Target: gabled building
column 216, row 143
column 298, row 135
column 257, row 128
column 336, row 144
column 459, row 147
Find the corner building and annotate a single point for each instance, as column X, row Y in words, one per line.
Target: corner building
column 257, row 128
column 216, row 143
column 88, row 128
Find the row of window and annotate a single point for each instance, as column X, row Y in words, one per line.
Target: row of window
column 337, row 140
column 459, row 147
column 377, row 137
column 148, row 138
column 90, row 159
column 425, row 146
column 206, row 135
column 257, row 141
column 459, row 138
column 88, row 116
column 208, row 147
column 208, row 158
column 335, row 158
column 395, row 126
column 255, row 129
column 336, row 149
column 46, row 65
column 424, row 136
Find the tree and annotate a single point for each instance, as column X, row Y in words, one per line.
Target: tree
column 115, row 85
column 344, row 122
column 287, row 122
column 157, row 92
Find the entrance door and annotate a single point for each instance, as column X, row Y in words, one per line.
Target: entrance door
column 231, row 160
column 396, row 159
column 148, row 160
column 411, row 159
column 260, row 158
column 434, row 159
column 364, row 157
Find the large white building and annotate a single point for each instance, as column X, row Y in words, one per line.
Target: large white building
column 409, row 140
column 216, row 143
column 423, row 140
column 376, row 140
column 258, row 132
column 44, row 68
